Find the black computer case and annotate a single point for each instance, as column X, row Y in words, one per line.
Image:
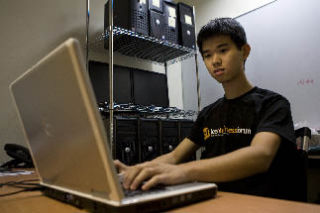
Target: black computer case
column 129, row 14
column 171, row 22
column 169, row 135
column 186, row 26
column 126, row 144
column 149, row 138
column 157, row 26
column 187, row 36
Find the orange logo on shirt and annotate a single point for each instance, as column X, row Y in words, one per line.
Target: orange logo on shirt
column 206, row 133
column 219, row 132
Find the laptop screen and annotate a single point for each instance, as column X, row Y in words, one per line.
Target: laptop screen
column 57, row 109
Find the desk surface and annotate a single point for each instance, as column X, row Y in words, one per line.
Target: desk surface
column 224, row 202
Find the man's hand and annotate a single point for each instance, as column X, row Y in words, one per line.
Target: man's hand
column 152, row 174
column 161, row 170
column 121, row 167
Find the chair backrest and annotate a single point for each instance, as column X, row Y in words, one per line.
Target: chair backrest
column 303, row 137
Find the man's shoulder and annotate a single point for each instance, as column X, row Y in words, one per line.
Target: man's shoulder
column 269, row 95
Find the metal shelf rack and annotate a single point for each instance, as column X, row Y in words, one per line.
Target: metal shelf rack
column 136, row 45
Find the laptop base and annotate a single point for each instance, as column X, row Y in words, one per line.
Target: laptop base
column 153, row 206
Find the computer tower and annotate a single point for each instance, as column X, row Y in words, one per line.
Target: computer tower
column 157, row 26
column 129, row 14
column 186, row 26
column 149, row 138
column 126, row 144
column 156, row 5
column 187, row 36
column 185, row 14
column 169, row 135
column 171, row 21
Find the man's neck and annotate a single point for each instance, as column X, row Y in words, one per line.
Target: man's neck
column 237, row 88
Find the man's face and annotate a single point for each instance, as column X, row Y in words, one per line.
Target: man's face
column 224, row 61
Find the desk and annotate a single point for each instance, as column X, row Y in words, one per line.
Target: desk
column 225, row 202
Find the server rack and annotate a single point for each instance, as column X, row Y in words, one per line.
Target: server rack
column 161, row 51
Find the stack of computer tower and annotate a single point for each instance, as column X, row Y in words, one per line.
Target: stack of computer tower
column 129, row 14
column 162, row 19
column 156, row 19
column 171, row 22
column 186, row 26
column 138, row 140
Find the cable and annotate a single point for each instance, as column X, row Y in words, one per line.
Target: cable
column 24, row 184
column 24, row 190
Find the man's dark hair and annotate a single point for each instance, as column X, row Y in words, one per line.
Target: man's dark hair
column 222, row 26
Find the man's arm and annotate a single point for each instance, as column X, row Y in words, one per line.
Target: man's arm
column 238, row 164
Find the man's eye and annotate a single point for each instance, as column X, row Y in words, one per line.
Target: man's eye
column 206, row 56
column 223, row 50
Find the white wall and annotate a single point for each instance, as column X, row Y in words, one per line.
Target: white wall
column 27, row 34
column 209, row 9
column 285, row 54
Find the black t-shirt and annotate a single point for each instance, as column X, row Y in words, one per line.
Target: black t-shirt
column 230, row 124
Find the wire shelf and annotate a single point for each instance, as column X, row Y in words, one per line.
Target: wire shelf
column 149, row 111
column 132, row 44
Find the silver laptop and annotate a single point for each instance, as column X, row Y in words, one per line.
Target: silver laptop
column 67, row 139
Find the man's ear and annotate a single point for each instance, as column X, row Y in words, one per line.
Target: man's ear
column 246, row 51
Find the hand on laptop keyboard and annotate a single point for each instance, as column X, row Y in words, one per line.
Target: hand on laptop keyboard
column 129, row 192
column 150, row 174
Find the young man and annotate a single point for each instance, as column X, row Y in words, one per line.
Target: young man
column 247, row 134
